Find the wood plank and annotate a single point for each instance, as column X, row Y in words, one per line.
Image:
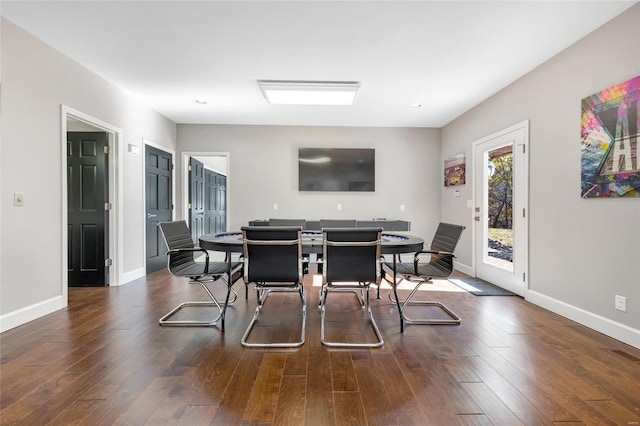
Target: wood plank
column 407, row 410
column 617, row 413
column 343, row 377
column 291, row 401
column 494, row 408
column 511, row 386
column 236, row 397
column 349, row 408
column 263, row 399
column 377, row 405
column 320, row 404
column 473, row 420
column 77, row 412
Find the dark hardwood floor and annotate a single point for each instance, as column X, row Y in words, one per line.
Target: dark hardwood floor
column 105, row 360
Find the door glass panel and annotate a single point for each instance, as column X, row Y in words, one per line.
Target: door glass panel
column 499, row 227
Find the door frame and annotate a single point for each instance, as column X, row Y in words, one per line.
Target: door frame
column 145, row 143
column 114, row 137
column 524, row 126
column 185, row 180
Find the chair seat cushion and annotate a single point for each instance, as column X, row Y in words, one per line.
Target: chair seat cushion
column 195, row 269
column 217, row 268
column 429, row 270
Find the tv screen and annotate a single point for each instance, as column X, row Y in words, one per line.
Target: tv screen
column 336, row 169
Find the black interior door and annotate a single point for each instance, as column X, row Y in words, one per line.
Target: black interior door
column 215, row 200
column 196, row 198
column 87, row 190
column 159, row 203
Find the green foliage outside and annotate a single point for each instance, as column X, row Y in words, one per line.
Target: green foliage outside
column 501, row 193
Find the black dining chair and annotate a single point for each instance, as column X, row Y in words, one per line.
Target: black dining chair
column 351, row 263
column 273, row 262
column 333, row 223
column 288, row 222
column 185, row 260
column 338, row 223
column 438, row 265
column 293, row 222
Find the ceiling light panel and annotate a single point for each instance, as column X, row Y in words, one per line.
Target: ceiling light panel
column 281, row 92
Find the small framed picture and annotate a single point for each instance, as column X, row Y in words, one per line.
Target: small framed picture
column 454, row 170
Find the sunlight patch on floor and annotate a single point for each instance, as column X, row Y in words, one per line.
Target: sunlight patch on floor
column 467, row 287
column 433, row 285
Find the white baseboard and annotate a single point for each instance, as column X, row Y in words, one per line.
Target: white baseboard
column 127, row 277
column 601, row 324
column 465, row 269
column 30, row 313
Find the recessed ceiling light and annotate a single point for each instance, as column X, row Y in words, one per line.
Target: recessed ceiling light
column 416, row 105
column 280, row 92
column 201, row 101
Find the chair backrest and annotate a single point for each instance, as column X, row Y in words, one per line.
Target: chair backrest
column 272, row 253
column 176, row 236
column 288, row 222
column 337, row 223
column 351, row 254
column 445, row 239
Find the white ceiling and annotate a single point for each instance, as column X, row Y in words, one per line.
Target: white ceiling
column 447, row 55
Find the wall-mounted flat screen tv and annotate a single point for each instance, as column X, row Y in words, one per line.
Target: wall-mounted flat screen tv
column 336, row 169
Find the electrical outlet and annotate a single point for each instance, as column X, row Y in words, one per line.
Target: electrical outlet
column 621, row 303
column 401, row 207
column 339, row 206
column 275, row 206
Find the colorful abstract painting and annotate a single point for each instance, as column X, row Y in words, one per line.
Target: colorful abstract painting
column 610, row 137
column 454, row 170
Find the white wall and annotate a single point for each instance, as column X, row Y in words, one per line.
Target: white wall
column 264, row 170
column 36, row 81
column 582, row 251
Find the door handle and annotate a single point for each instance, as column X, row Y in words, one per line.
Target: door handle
column 149, row 215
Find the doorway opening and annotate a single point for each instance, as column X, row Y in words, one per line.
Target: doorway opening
column 72, row 120
column 205, row 193
column 159, row 206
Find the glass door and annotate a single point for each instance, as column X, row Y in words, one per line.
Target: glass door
column 501, row 201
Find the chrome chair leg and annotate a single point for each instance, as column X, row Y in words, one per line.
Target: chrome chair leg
column 453, row 317
column 364, row 301
column 165, row 321
column 263, row 294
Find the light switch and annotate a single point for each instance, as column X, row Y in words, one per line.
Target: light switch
column 401, row 207
column 339, row 206
column 275, row 206
column 18, row 199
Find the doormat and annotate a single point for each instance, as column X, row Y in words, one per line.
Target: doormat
column 479, row 287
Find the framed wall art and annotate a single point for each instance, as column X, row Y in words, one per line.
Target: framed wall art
column 454, row 170
column 610, row 141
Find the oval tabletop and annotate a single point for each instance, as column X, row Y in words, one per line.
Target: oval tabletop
column 392, row 243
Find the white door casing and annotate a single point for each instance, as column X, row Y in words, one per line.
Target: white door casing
column 512, row 276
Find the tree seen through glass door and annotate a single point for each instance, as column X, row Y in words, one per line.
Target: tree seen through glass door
column 500, row 207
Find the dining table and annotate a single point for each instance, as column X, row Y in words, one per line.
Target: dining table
column 391, row 242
